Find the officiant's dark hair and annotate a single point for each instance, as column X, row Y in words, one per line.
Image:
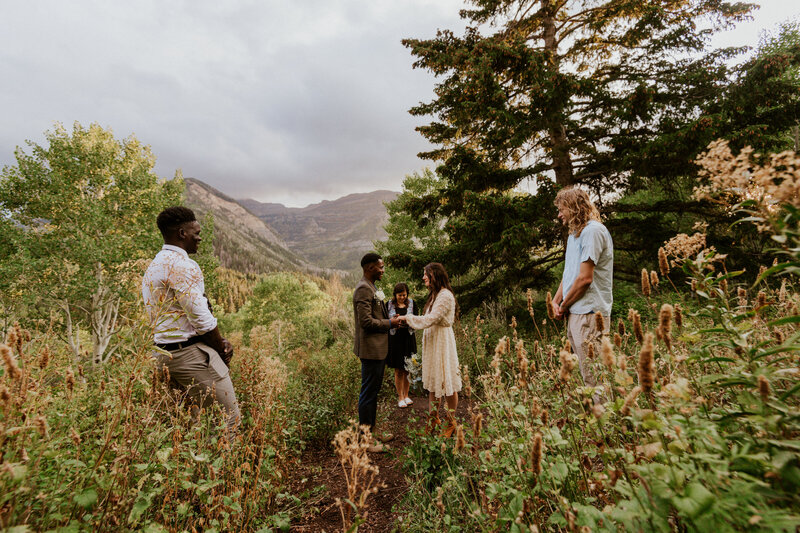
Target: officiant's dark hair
column 400, row 287
column 172, row 218
column 370, row 258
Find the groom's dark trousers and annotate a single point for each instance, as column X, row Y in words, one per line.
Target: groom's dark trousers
column 371, row 380
column 371, row 345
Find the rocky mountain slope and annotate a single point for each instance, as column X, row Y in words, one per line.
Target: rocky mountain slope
column 330, row 234
column 242, row 241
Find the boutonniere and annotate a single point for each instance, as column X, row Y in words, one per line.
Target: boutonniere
column 379, row 295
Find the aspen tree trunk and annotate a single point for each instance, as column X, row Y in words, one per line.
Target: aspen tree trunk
column 104, row 315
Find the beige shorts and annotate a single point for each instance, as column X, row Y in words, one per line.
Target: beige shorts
column 582, row 331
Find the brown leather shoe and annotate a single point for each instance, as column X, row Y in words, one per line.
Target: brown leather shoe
column 376, row 448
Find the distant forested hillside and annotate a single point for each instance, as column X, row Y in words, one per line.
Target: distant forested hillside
column 330, row 234
column 242, row 241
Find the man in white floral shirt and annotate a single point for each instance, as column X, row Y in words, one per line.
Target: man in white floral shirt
column 371, row 340
column 193, row 355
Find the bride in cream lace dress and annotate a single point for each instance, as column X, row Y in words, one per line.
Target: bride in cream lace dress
column 441, row 375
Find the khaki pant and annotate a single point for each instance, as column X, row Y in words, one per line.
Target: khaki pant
column 582, row 331
column 199, row 371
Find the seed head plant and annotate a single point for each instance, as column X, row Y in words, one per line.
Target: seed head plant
column 741, row 294
column 69, row 380
column 761, row 299
column 40, row 422
column 567, row 365
column 645, row 283
column 10, row 362
column 636, row 319
column 360, row 473
column 617, row 340
column 44, row 357
column 607, row 353
column 665, row 324
column 678, row 315
column 663, row 263
column 654, row 279
column 460, row 442
column 599, row 322
column 477, row 425
column 646, row 366
column 630, row 399
column 536, row 454
column 763, row 388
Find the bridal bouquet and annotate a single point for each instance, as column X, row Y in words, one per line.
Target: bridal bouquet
column 414, row 368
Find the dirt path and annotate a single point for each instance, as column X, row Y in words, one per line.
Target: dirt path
column 320, row 475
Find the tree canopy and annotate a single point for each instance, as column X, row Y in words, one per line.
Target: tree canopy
column 617, row 96
column 84, row 201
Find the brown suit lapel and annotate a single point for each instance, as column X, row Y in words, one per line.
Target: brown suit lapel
column 384, row 311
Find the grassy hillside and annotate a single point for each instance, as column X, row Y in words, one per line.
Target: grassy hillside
column 242, row 241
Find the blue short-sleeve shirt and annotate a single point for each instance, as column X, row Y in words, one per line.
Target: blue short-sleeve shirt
column 594, row 243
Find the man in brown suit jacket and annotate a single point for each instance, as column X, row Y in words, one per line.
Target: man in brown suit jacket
column 371, row 339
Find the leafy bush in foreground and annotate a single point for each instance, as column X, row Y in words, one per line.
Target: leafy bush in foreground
column 108, row 448
column 112, row 450
column 699, row 429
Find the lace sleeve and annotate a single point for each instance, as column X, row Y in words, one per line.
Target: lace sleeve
column 441, row 308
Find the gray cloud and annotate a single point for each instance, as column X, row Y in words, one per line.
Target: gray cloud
column 275, row 100
column 281, row 101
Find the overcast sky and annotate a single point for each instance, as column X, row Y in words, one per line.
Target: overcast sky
column 277, row 100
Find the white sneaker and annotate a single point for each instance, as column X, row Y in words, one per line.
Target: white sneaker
column 408, row 401
column 402, row 404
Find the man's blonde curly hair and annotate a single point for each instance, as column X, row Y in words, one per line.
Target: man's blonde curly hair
column 578, row 207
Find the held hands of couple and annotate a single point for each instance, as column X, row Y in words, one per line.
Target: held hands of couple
column 399, row 321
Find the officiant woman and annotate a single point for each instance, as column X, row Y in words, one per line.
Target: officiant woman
column 402, row 343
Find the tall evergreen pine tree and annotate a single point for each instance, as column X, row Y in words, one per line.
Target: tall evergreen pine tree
column 615, row 95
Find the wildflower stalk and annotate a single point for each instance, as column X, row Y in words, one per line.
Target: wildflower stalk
column 620, row 461
column 529, row 295
column 573, row 437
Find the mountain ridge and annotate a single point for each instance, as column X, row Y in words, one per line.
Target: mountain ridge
column 330, row 233
column 242, row 240
column 260, row 208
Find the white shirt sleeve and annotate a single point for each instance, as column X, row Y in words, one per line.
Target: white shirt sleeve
column 188, row 285
column 592, row 244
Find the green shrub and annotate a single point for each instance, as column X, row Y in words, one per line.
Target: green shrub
column 324, row 391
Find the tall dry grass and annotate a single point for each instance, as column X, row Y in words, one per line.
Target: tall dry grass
column 109, row 448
